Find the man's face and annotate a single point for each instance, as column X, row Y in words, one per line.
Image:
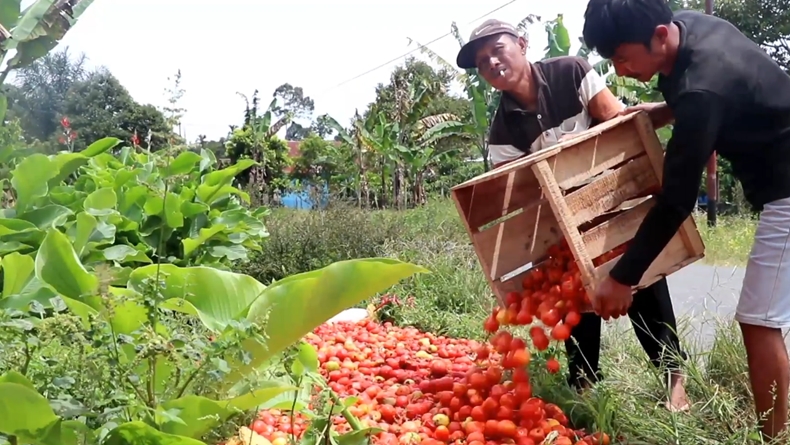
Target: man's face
column 501, row 60
column 637, row 61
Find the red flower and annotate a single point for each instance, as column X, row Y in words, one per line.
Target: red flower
column 65, row 122
column 135, row 139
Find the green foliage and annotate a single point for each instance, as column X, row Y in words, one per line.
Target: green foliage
column 100, row 348
column 135, row 209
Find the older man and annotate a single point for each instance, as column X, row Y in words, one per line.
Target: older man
column 542, row 103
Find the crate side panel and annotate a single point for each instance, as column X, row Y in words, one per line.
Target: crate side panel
column 519, row 240
column 502, row 195
column 612, row 189
column 616, row 231
column 574, row 165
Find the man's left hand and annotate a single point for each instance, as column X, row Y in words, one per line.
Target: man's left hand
column 612, row 299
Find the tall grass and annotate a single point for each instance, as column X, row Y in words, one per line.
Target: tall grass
column 454, row 299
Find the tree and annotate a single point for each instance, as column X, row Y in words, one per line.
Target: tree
column 256, row 140
column 39, row 91
column 99, row 106
column 292, row 101
column 766, row 22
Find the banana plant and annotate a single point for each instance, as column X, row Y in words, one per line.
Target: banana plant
column 33, row 32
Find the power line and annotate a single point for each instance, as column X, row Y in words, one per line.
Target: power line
column 414, row 50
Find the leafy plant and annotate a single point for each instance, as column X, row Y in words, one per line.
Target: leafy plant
column 100, row 348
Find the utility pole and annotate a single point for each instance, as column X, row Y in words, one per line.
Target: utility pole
column 713, row 176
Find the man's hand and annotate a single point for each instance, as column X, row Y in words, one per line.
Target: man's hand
column 612, row 299
column 659, row 113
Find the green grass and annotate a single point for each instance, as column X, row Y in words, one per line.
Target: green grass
column 729, row 243
column 454, row 298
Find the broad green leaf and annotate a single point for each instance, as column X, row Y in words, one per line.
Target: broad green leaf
column 47, row 217
column 83, row 230
column 58, row 266
column 217, row 296
column 138, row 433
column 17, row 271
column 9, row 13
column 101, row 202
column 123, row 253
column 32, row 50
column 191, row 244
column 308, row 357
column 27, row 24
column 100, row 146
column 183, row 164
column 214, row 184
column 66, row 163
column 172, row 211
column 296, row 305
column 30, row 178
column 200, row 414
column 25, row 413
column 18, row 378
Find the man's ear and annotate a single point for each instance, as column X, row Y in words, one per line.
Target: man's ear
column 661, row 34
column 522, row 43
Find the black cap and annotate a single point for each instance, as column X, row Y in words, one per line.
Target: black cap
column 491, row 27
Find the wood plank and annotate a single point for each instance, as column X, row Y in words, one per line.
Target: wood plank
column 489, row 201
column 611, row 190
column 486, row 268
column 534, row 158
column 577, row 164
column 519, row 240
column 565, row 218
column 688, row 230
column 616, row 231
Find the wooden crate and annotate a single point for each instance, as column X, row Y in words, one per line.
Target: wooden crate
column 593, row 190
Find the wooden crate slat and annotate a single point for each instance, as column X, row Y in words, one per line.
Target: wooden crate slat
column 612, row 189
column 553, row 194
column 519, row 240
column 616, row 231
column 574, row 165
column 545, row 154
column 492, row 200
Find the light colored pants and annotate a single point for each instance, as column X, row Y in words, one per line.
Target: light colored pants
column 765, row 295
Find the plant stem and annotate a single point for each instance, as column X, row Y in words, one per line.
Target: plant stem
column 350, row 418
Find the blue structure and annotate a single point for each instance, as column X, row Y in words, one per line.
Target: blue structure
column 301, row 199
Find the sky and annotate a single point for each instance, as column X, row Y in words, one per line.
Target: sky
column 243, row 45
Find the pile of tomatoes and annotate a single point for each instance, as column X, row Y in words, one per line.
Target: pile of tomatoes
column 430, row 390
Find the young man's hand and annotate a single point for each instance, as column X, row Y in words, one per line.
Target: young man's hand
column 612, row 299
column 659, row 113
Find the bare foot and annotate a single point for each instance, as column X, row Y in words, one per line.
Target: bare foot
column 678, row 400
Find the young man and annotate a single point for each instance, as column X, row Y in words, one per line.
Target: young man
column 542, row 103
column 727, row 95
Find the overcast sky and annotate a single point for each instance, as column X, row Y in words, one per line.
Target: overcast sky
column 240, row 45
